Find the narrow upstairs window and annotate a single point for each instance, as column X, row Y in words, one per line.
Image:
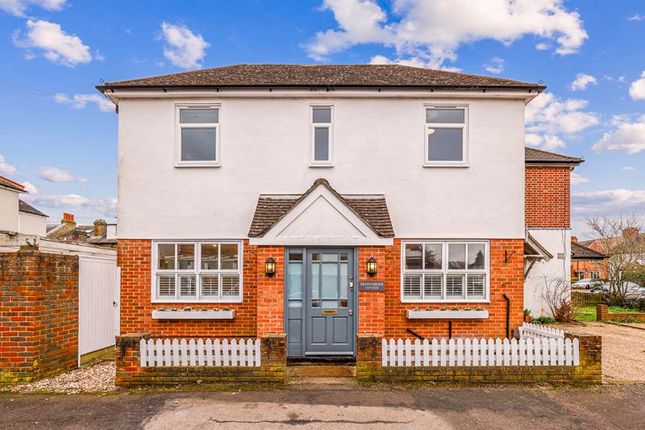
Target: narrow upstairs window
column 321, row 139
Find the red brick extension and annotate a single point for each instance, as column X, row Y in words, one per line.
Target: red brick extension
column 38, row 315
column 262, row 311
column 547, row 197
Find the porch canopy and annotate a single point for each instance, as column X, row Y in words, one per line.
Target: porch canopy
column 321, row 217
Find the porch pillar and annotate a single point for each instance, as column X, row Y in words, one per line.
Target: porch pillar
column 270, row 292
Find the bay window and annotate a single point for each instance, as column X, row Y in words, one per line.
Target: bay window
column 445, row 271
column 197, row 271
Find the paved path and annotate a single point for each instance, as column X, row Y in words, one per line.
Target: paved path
column 606, row 407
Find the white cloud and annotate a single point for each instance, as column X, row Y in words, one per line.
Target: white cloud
column 550, row 120
column 80, row 101
column 609, row 202
column 54, row 174
column 542, row 46
column 432, row 32
column 105, row 206
column 582, row 81
column 183, row 48
column 6, row 168
column 495, row 65
column 56, row 45
column 629, row 169
column 18, row 7
column 627, row 136
column 30, row 188
column 577, row 179
column 636, row 17
column 637, row 88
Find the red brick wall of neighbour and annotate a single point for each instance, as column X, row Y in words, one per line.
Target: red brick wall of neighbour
column 38, row 315
column 507, row 276
column 260, row 313
column 547, row 197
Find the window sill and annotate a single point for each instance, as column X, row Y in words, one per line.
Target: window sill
column 428, row 165
column 182, row 165
column 321, row 165
column 182, row 302
column 193, row 315
column 446, row 302
column 439, row 314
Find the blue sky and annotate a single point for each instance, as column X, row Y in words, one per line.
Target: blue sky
column 60, row 137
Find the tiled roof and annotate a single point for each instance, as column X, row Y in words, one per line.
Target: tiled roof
column 579, row 251
column 27, row 208
column 8, row 183
column 371, row 209
column 326, row 75
column 532, row 155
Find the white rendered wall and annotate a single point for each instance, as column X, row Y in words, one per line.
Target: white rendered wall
column 8, row 210
column 265, row 148
column 543, row 274
column 32, row 224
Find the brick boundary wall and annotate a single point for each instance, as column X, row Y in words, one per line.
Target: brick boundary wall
column 130, row 373
column 369, row 368
column 38, row 315
column 603, row 314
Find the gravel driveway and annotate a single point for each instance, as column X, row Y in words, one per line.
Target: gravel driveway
column 623, row 350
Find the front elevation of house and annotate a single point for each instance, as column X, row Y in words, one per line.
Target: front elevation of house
column 321, row 203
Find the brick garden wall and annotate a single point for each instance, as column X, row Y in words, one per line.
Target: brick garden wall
column 547, row 200
column 38, row 315
column 383, row 314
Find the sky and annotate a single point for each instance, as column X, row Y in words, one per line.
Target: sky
column 60, row 136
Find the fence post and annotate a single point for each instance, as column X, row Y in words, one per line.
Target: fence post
column 369, row 358
column 127, row 357
column 274, row 355
column 601, row 312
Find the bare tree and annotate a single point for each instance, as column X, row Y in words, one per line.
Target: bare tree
column 620, row 239
column 557, row 296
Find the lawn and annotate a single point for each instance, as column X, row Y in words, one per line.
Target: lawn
column 588, row 313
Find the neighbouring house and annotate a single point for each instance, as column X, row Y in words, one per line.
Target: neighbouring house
column 548, row 222
column 312, row 206
column 586, row 262
column 617, row 247
column 99, row 233
column 58, row 304
column 16, row 215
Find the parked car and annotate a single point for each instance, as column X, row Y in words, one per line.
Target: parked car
column 605, row 287
column 635, row 293
column 586, row 284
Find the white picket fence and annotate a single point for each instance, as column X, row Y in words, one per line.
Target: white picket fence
column 537, row 331
column 480, row 352
column 216, row 352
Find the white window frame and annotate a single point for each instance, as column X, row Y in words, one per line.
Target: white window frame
column 318, row 163
column 464, row 143
column 445, row 271
column 197, row 272
column 596, row 273
column 179, row 126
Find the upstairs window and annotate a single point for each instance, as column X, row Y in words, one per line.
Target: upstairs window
column 198, row 136
column 445, row 136
column 321, row 136
column 445, row 272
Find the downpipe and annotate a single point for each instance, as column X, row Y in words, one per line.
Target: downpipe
column 508, row 316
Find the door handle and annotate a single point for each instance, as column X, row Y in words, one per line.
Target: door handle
column 351, row 312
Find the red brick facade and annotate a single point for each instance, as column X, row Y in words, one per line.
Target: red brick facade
column 38, row 315
column 262, row 311
column 547, row 197
column 383, row 314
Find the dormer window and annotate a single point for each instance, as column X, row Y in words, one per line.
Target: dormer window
column 197, row 136
column 446, row 136
column 321, row 136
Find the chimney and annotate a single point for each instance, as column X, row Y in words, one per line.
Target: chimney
column 574, row 239
column 100, row 228
column 630, row 232
column 67, row 217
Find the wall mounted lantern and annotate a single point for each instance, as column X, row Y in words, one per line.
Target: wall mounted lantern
column 269, row 267
column 372, row 266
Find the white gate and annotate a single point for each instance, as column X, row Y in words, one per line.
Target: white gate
column 97, row 303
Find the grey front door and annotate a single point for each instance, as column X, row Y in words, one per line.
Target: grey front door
column 329, row 302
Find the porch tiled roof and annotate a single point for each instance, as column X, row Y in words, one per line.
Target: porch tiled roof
column 372, row 209
column 532, row 155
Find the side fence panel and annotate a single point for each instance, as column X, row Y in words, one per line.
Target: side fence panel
column 197, row 352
